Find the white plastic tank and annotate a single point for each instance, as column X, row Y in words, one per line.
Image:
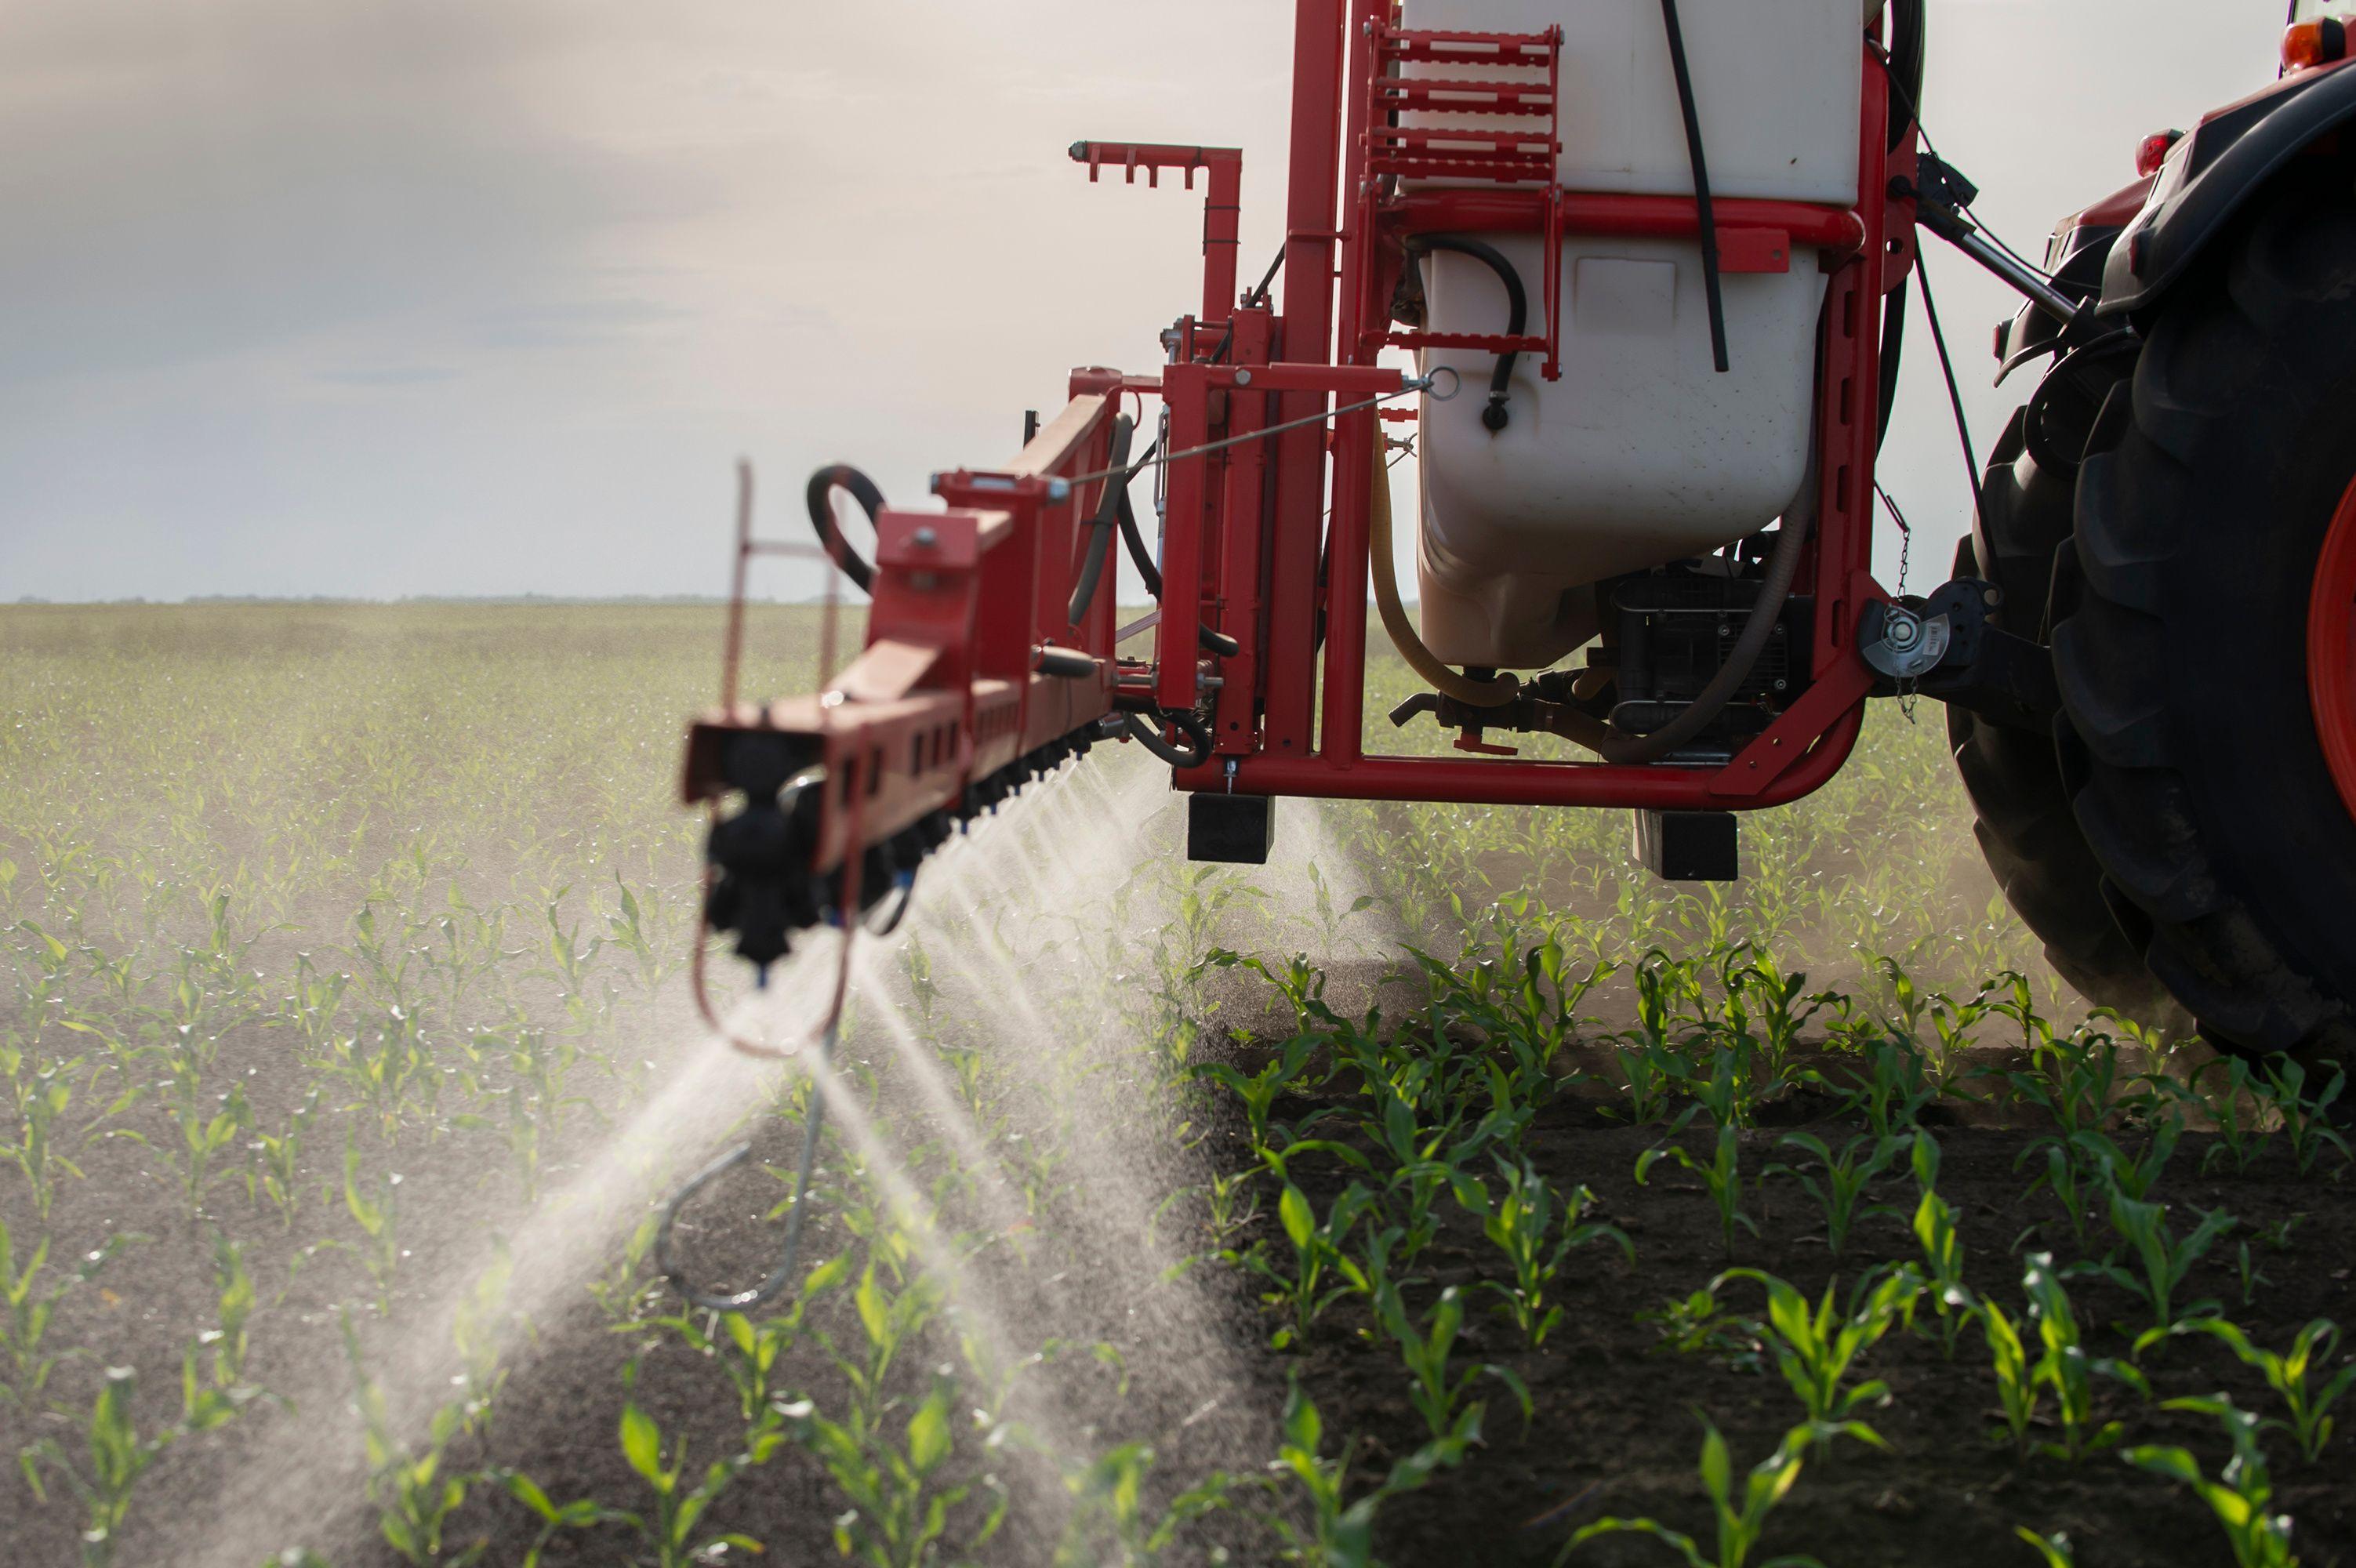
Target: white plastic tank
column 1642, row 453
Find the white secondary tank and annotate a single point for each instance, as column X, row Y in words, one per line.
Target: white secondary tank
column 1642, row 453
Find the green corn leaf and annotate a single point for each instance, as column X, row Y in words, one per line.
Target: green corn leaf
column 928, row 1434
column 1292, row 1211
column 642, row 1445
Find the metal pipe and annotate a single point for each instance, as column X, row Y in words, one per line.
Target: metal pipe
column 1464, row 781
column 1957, row 231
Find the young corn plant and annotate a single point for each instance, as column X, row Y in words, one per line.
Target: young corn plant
column 2306, row 1120
column 26, row 1310
column 1110, row 1525
column 1651, row 1063
column 1321, row 1257
column 40, row 1092
column 273, row 1160
column 1438, row 1397
column 1952, row 1022
column 233, row 1301
column 1340, row 1530
column 2238, row 1108
column 2112, row 1167
column 1523, row 1226
column 2292, row 1376
column 746, row 1350
column 1331, row 917
column 376, row 1214
column 673, row 1527
column 2054, row 1551
column 2064, row 1367
column 900, row 1508
column 1893, row 1091
column 1543, row 1012
column 2017, row 1381
column 2161, row 1262
column 1426, row 1161
column 474, row 1332
column 1942, row 1247
column 2248, row 1271
column 1650, row 1070
column 1847, row 1175
column 1815, row 1349
column 1780, row 1014
column 1260, row 1091
column 204, row 1139
column 2242, row 1493
column 899, row 1512
column 1741, row 1521
column 414, row 1492
column 1722, row 1174
column 119, row 1454
column 1695, row 1325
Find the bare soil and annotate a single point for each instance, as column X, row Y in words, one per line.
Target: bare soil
column 1615, row 1430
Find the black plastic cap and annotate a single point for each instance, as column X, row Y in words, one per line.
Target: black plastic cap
column 1235, row 829
column 1689, row 846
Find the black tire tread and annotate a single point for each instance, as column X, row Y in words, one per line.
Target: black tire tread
column 2135, row 515
column 2024, row 823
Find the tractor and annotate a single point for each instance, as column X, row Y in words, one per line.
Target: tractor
column 1651, row 260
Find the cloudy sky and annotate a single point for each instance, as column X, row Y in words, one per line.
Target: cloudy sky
column 377, row 297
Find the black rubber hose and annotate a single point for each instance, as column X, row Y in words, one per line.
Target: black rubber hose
column 1258, row 294
column 1108, row 517
column 1701, row 184
column 822, row 485
column 1893, row 347
column 1138, row 552
column 1947, row 369
column 1517, row 311
column 1149, row 735
column 1907, row 49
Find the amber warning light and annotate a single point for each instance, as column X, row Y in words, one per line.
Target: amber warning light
column 2313, row 43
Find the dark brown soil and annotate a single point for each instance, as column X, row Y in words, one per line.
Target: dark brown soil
column 1616, row 1428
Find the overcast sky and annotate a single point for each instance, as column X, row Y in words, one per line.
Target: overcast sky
column 378, row 297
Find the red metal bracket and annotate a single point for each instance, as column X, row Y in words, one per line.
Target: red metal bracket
column 1222, row 202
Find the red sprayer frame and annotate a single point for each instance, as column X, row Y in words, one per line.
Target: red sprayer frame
column 970, row 605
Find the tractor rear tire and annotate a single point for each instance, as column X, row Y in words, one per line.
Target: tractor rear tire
column 2023, row 821
column 2193, row 749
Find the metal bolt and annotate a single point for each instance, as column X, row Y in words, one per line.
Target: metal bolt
column 1901, row 631
column 1243, row 378
column 925, row 537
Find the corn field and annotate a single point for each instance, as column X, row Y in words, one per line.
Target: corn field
column 1446, row 1191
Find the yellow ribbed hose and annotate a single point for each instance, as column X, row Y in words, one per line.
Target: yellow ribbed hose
column 1494, row 692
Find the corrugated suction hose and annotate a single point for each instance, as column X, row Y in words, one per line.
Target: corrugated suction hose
column 1494, row 692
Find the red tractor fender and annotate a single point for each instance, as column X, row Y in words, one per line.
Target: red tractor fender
column 2212, row 174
